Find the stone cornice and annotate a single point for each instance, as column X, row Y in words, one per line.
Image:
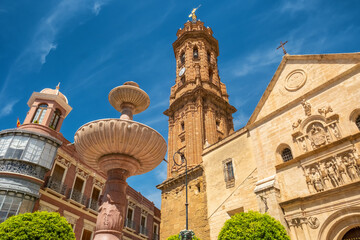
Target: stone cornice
column 192, row 95
column 180, row 178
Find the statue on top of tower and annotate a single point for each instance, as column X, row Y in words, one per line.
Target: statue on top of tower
column 193, row 15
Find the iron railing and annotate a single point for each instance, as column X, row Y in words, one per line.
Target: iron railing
column 78, row 196
column 56, row 185
column 130, row 224
column 143, row 230
column 93, row 204
column 155, row 236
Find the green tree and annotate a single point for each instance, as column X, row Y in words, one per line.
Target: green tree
column 176, row 237
column 251, row 226
column 37, row 225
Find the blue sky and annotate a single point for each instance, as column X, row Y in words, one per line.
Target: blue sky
column 91, row 46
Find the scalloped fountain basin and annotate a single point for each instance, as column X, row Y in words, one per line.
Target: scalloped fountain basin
column 135, row 146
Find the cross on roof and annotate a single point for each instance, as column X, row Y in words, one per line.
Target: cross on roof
column 282, row 46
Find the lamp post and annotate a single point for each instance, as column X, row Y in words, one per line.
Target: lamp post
column 185, row 234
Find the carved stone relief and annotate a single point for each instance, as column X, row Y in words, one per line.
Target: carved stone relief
column 307, row 107
column 325, row 110
column 313, row 222
column 333, row 171
column 316, row 130
column 295, row 80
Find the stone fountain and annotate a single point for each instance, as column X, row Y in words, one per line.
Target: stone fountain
column 120, row 148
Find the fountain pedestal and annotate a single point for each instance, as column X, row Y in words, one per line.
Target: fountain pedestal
column 120, row 148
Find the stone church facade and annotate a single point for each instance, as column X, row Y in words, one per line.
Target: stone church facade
column 297, row 158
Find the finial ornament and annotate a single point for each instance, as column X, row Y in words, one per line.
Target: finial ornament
column 57, row 88
column 193, row 15
column 282, row 46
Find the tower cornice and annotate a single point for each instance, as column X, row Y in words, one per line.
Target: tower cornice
column 193, row 95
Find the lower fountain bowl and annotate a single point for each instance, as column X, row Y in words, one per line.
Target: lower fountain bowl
column 100, row 138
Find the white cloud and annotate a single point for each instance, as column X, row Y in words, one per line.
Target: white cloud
column 294, row 6
column 155, row 197
column 240, row 120
column 161, row 172
column 257, row 59
column 45, row 50
column 97, row 7
column 7, row 108
column 154, row 120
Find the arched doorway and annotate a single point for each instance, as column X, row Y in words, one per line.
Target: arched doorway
column 352, row 234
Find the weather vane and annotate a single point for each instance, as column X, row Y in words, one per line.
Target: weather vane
column 193, row 15
column 282, row 46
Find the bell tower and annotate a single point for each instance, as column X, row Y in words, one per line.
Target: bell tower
column 199, row 115
column 199, row 112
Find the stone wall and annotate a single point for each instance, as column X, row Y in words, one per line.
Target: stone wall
column 173, row 205
column 225, row 198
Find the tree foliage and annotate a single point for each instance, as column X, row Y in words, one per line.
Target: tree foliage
column 37, row 225
column 252, row 225
column 176, row 237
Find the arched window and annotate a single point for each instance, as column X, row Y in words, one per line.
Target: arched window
column 357, row 122
column 208, row 56
column 55, row 119
column 210, row 75
column 182, row 58
column 182, row 80
column 40, row 113
column 196, row 53
column 286, row 154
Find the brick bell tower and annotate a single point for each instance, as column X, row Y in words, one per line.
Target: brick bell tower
column 199, row 115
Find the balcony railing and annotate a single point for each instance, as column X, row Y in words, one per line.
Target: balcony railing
column 94, row 204
column 78, row 196
column 155, row 236
column 56, row 185
column 130, row 224
column 143, row 230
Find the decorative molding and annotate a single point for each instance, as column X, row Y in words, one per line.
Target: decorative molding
column 45, row 206
column 88, row 225
column 144, row 212
column 131, row 204
column 70, row 217
column 99, row 183
column 82, row 173
column 63, row 161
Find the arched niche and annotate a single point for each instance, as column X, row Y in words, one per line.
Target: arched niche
column 339, row 223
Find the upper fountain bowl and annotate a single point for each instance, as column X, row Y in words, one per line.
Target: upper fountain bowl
column 129, row 93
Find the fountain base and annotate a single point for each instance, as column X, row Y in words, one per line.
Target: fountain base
column 110, row 220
